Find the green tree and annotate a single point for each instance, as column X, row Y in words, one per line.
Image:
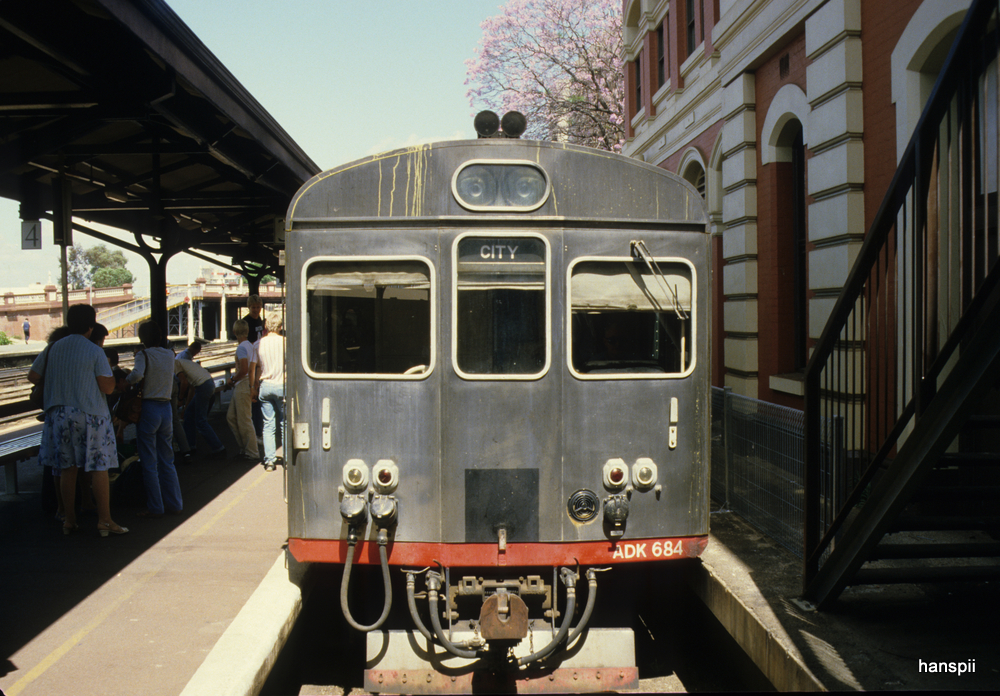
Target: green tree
column 78, row 270
column 97, row 266
column 111, row 277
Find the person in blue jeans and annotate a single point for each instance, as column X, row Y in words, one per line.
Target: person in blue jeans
column 196, row 390
column 154, row 365
column 270, row 384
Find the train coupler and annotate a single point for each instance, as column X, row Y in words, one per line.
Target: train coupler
column 504, row 616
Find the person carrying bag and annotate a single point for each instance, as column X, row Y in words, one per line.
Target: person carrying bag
column 129, row 407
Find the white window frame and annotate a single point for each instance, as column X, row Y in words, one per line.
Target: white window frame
column 692, row 342
column 304, row 320
column 548, row 307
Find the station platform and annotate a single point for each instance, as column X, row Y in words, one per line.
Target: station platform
column 874, row 638
column 136, row 613
column 193, row 603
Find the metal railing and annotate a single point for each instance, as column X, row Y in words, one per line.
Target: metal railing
column 917, row 286
column 138, row 310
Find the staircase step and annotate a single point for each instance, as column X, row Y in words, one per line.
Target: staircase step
column 930, row 523
column 969, row 459
column 942, row 550
column 983, row 422
column 940, row 493
column 888, row 576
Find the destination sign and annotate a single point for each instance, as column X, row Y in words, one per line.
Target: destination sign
column 475, row 251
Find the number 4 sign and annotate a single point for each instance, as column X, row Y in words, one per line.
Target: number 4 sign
column 31, row 234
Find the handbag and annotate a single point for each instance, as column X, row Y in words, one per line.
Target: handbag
column 129, row 406
column 37, row 396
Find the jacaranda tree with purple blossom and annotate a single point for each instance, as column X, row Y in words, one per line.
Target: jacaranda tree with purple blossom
column 559, row 63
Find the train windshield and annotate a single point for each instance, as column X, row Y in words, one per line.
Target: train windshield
column 370, row 317
column 501, row 316
column 631, row 319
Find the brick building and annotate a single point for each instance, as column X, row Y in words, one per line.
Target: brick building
column 790, row 116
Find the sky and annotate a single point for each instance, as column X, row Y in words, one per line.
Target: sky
column 345, row 79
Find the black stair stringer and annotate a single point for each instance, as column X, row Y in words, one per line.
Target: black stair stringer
column 970, row 380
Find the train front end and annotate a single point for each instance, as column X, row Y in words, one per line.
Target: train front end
column 498, row 386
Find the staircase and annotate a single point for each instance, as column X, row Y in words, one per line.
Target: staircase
column 137, row 311
column 907, row 488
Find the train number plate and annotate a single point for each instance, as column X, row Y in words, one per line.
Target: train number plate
column 638, row 550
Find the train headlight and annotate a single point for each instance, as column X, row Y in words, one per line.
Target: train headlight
column 644, row 473
column 385, row 476
column 355, row 475
column 615, row 474
column 508, row 186
column 476, row 187
column 523, row 186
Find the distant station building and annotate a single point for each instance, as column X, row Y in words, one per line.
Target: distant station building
column 41, row 305
column 205, row 308
column 789, row 116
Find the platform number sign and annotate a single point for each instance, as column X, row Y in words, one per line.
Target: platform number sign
column 31, row 234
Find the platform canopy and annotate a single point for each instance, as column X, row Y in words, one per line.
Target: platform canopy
column 152, row 134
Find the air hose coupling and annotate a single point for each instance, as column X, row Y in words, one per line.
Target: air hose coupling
column 384, row 510
column 569, row 578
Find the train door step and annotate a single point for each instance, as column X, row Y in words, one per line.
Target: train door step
column 603, row 660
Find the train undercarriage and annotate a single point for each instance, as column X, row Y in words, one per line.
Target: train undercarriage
column 524, row 633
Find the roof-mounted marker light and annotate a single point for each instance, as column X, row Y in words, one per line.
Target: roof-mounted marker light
column 489, row 125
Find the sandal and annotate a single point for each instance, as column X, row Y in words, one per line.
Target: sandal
column 69, row 528
column 105, row 528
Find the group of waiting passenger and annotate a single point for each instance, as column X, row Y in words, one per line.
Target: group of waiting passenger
column 258, row 382
column 79, row 430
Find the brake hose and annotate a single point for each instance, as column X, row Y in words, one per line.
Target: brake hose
column 352, row 540
column 588, row 609
column 568, row 578
column 433, row 585
column 411, row 602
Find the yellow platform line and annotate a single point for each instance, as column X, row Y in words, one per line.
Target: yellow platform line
column 53, row 657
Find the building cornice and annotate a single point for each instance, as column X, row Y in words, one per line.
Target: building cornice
column 765, row 22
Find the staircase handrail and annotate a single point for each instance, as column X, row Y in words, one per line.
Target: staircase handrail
column 885, row 255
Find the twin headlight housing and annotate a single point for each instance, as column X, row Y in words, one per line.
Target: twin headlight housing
column 504, row 186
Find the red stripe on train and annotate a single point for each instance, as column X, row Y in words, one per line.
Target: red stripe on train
column 406, row 553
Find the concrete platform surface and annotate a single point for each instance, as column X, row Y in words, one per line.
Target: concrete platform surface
column 137, row 613
column 876, row 637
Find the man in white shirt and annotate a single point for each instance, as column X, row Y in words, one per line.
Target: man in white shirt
column 196, row 390
column 270, row 387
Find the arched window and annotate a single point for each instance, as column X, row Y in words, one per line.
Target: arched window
column 693, row 171
column 917, row 59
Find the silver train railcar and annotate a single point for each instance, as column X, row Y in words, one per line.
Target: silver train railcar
column 500, row 373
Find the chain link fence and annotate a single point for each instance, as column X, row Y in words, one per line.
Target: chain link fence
column 757, row 464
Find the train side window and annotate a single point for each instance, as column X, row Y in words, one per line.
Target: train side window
column 368, row 317
column 627, row 322
column 501, row 307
